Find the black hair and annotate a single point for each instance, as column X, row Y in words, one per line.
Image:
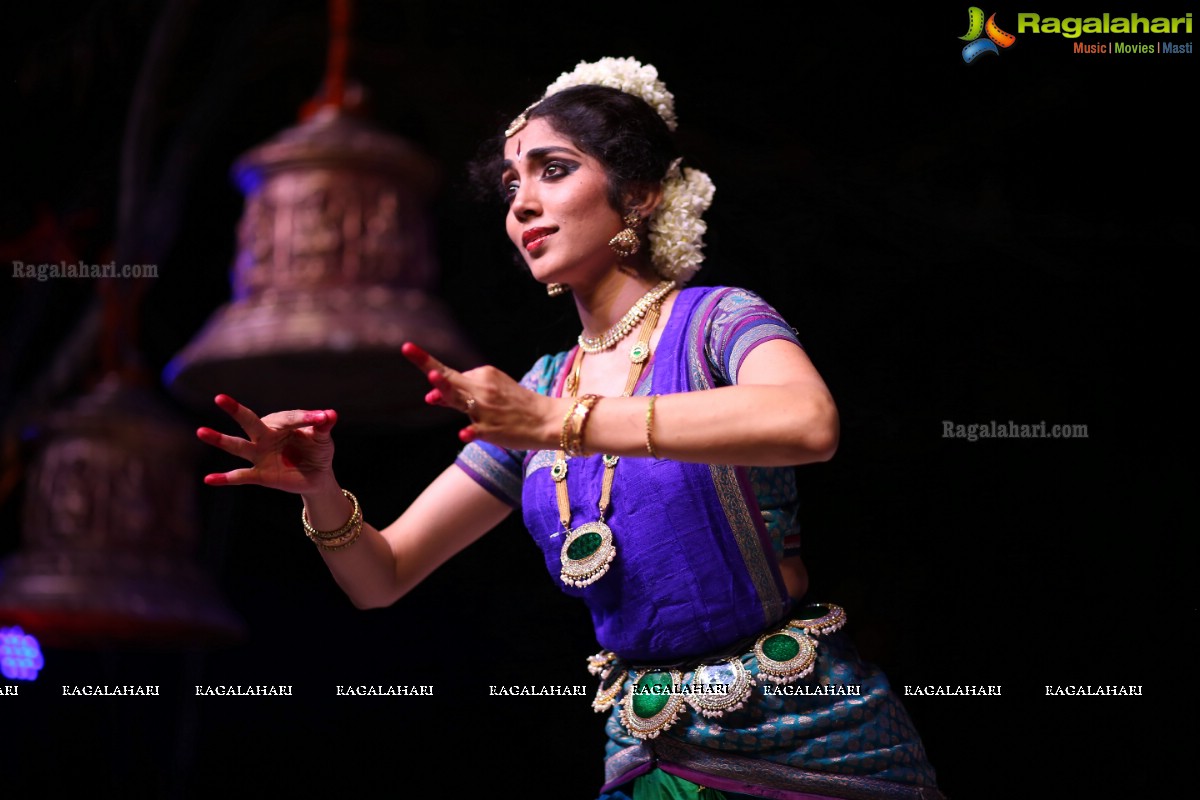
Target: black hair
column 621, row 131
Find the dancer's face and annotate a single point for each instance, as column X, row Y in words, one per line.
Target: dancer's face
column 559, row 214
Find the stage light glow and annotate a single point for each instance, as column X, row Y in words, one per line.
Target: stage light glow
column 20, row 656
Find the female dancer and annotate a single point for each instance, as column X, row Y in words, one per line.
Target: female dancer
column 653, row 466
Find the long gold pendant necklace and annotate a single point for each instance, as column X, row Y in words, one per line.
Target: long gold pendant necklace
column 589, row 549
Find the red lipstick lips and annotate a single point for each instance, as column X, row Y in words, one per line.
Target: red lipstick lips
column 533, row 238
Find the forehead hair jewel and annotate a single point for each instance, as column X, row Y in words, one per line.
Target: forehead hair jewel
column 520, row 122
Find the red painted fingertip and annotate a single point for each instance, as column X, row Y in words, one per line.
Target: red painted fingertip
column 434, row 376
column 215, row 480
column 410, row 350
column 467, row 435
column 225, row 401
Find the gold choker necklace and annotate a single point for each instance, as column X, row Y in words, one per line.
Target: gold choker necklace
column 608, row 339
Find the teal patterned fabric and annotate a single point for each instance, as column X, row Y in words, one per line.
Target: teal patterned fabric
column 775, row 489
column 869, row 734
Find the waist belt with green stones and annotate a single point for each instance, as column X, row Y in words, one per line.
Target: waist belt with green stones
column 716, row 684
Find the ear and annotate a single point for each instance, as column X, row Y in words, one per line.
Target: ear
column 644, row 200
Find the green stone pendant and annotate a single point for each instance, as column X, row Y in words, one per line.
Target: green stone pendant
column 558, row 470
column 785, row 656
column 653, row 703
column 586, row 554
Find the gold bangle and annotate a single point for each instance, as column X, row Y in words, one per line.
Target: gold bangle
column 355, row 519
column 650, row 427
column 573, row 429
column 340, row 542
column 565, row 436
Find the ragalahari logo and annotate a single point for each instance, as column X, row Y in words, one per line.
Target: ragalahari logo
column 976, row 27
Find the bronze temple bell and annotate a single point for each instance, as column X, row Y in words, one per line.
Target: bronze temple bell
column 111, row 530
column 332, row 274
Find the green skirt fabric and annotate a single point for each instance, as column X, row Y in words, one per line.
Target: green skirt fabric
column 659, row 785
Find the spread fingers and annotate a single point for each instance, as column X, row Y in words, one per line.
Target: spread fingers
column 230, row 444
column 244, row 417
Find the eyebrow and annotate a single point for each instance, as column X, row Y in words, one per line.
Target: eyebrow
column 540, row 152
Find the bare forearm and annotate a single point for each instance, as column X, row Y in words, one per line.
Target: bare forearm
column 365, row 570
column 384, row 565
column 756, row 425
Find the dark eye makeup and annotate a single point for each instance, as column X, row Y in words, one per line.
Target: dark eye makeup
column 553, row 170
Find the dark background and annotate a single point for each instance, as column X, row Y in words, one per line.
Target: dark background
column 1004, row 240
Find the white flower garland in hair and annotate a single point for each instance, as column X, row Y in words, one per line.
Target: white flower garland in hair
column 676, row 228
column 626, row 74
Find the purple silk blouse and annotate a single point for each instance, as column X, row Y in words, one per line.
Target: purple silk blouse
column 695, row 569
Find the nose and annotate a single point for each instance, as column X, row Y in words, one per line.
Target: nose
column 525, row 204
